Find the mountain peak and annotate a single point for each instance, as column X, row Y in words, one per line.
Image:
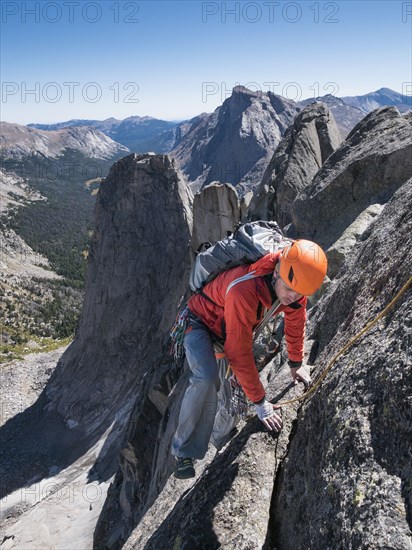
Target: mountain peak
column 385, row 91
column 243, row 90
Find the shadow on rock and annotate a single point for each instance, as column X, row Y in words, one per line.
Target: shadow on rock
column 37, row 444
column 190, row 523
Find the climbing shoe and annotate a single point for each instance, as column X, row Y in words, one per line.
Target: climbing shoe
column 184, row 468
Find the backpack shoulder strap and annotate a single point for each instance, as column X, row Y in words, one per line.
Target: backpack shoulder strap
column 268, row 280
column 206, row 297
column 250, row 275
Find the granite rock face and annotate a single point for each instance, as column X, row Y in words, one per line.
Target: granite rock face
column 346, row 480
column 304, row 148
column 228, row 504
column 369, row 166
column 338, row 474
column 345, row 115
column 343, row 480
column 235, row 143
column 216, row 211
column 340, row 250
column 137, row 274
column 123, row 297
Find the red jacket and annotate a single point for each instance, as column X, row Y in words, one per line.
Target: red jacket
column 236, row 314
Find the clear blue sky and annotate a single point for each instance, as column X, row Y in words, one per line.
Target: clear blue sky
column 174, row 60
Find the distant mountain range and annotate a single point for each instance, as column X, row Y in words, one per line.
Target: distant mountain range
column 144, row 134
column 381, row 98
column 50, row 174
column 140, row 134
column 48, row 185
column 18, row 141
column 233, row 144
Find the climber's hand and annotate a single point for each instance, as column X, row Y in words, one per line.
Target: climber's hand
column 301, row 374
column 266, row 413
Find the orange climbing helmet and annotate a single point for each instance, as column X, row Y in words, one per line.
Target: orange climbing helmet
column 303, row 266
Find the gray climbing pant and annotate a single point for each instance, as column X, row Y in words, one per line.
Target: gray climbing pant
column 204, row 414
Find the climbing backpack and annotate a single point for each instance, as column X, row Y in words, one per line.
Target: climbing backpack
column 246, row 245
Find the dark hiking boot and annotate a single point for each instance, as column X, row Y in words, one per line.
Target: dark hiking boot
column 184, row 468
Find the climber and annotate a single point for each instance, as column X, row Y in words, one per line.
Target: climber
column 229, row 313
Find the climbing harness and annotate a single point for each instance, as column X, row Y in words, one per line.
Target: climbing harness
column 239, row 404
column 345, row 348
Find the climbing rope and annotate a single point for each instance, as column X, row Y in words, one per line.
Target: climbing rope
column 313, row 388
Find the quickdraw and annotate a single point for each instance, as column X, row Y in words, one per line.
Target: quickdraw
column 239, row 404
column 177, row 335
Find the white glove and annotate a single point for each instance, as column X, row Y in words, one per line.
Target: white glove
column 267, row 415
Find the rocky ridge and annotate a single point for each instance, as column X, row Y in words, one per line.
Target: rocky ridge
column 145, row 133
column 345, row 480
column 234, row 144
column 305, row 146
column 346, row 116
column 368, row 167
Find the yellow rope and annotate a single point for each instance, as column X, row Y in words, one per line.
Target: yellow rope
column 350, row 344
